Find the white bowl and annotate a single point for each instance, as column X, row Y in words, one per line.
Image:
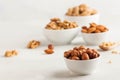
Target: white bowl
column 94, row 38
column 82, row 67
column 61, row 36
column 84, row 20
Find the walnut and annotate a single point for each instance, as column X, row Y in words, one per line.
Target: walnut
column 14, row 52
column 11, row 53
column 55, row 20
column 33, row 44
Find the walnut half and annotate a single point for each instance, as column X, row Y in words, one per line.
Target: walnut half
column 33, row 44
column 11, row 53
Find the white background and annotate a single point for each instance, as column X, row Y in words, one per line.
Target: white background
column 23, row 20
column 42, row 9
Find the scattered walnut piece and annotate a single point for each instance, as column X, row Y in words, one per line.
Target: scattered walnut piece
column 94, row 28
column 11, row 53
column 57, row 24
column 81, row 10
column 81, row 53
column 50, row 49
column 33, row 44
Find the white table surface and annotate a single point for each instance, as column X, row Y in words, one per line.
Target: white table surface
column 33, row 64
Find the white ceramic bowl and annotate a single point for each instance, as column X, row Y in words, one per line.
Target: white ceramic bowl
column 61, row 36
column 83, row 20
column 94, row 38
column 82, row 67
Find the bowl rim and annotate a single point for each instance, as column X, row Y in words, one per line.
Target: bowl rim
column 83, row 60
column 94, row 33
column 84, row 16
column 63, row 29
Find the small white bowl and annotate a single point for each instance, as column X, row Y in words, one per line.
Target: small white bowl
column 82, row 67
column 61, row 36
column 94, row 38
column 84, row 20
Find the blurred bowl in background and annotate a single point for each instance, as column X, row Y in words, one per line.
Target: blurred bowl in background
column 84, row 20
column 94, row 38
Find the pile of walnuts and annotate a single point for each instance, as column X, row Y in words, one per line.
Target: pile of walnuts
column 81, row 53
column 81, row 10
column 57, row 24
column 94, row 28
